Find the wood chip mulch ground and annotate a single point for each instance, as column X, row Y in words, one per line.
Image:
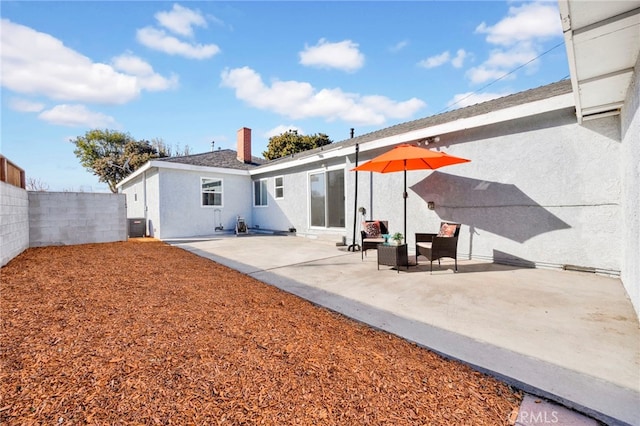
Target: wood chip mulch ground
column 142, row 332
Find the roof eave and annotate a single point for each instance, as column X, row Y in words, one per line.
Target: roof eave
column 554, row 103
column 180, row 166
column 565, row 18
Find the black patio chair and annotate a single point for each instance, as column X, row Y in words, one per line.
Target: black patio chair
column 442, row 244
column 370, row 240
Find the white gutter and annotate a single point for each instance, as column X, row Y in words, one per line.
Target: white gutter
column 525, row 110
column 179, row 166
column 565, row 18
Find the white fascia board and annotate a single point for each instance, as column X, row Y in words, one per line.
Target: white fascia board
column 193, row 168
column 513, row 113
column 565, row 16
column 146, row 166
column 179, row 166
column 308, row 159
column 529, row 109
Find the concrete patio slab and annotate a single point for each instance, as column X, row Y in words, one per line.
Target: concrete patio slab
column 571, row 337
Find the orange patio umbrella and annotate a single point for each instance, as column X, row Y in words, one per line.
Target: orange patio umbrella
column 408, row 157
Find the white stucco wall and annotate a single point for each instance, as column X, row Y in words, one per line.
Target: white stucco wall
column 153, row 202
column 293, row 209
column 135, row 195
column 630, row 166
column 181, row 213
column 14, row 222
column 542, row 191
column 281, row 214
column 141, row 193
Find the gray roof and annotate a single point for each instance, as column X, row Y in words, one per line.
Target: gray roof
column 544, row 92
column 226, row 158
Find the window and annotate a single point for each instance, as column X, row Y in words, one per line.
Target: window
column 260, row 192
column 279, row 187
column 211, row 191
column 327, row 199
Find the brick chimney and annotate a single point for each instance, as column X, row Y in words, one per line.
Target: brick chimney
column 244, row 145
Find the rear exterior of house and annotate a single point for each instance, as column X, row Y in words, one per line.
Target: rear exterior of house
column 531, row 195
column 194, row 195
column 541, row 190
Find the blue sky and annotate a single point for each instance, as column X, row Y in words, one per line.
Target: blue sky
column 192, row 72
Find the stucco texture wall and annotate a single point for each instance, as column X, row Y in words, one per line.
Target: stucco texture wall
column 293, row 209
column 66, row 218
column 282, row 213
column 135, row 195
column 541, row 191
column 630, row 165
column 14, row 222
column 181, row 213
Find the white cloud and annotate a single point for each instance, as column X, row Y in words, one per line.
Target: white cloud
column 278, row 130
column 132, row 64
column 444, row 58
column 159, row 40
column 343, row 55
column 180, row 20
column 518, row 38
column 458, row 61
column 513, row 57
column 501, row 62
column 481, row 74
column 147, row 78
column 299, row 100
column 76, row 116
column 435, row 61
column 466, row 99
column 399, row 46
column 524, row 23
column 38, row 64
column 24, row 105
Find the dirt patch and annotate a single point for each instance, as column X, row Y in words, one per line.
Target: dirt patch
column 132, row 333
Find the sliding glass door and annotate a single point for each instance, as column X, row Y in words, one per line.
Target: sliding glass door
column 327, row 199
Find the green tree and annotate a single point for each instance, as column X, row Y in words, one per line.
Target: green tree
column 291, row 142
column 113, row 155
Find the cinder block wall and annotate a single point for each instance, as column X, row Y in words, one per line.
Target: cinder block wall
column 14, row 222
column 67, row 218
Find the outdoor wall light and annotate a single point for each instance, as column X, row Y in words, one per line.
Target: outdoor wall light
column 432, row 139
column 429, row 140
column 431, row 205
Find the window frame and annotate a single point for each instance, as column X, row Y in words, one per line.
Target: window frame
column 276, row 187
column 325, row 171
column 202, row 192
column 263, row 187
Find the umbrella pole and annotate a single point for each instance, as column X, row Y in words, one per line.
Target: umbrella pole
column 355, row 246
column 405, row 195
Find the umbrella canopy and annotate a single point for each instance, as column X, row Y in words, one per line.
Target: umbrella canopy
column 408, row 157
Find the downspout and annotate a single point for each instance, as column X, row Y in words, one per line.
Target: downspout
column 144, row 200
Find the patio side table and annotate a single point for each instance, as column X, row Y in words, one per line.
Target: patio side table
column 392, row 255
